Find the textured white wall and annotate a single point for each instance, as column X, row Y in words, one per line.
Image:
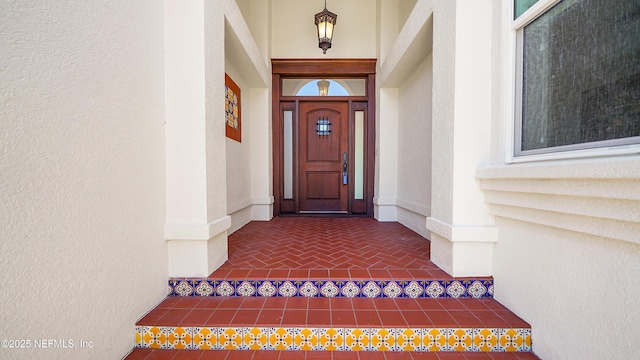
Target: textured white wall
column 249, row 162
column 197, row 218
column 443, row 109
column 405, row 7
column 579, row 292
column 294, row 34
column 82, row 156
column 239, row 157
column 185, row 113
column 568, row 255
column 386, row 181
column 261, row 155
column 461, row 226
column 388, row 26
column 414, row 147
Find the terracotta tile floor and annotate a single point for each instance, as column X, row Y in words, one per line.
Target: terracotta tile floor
column 149, row 354
column 327, row 248
column 335, row 312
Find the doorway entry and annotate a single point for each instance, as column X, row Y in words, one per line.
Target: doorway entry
column 323, row 143
column 323, row 159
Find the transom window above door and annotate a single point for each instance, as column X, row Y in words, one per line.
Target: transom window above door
column 324, row 87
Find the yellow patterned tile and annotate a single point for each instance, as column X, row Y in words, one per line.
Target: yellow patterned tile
column 139, row 335
column 154, row 337
column 179, row 338
column 434, row 339
column 230, row 338
column 485, row 340
column 305, row 339
column 205, row 338
column 330, row 339
column 459, row 339
column 255, row 338
column 409, row 340
column 357, row 339
column 527, row 340
column 511, row 340
column 383, row 339
column 280, row 339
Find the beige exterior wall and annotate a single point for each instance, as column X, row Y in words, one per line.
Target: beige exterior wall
column 239, row 160
column 414, row 148
column 568, row 252
column 248, row 169
column 294, row 35
column 197, row 221
column 82, row 153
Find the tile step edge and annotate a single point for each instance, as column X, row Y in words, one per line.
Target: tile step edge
column 335, row 339
column 434, row 289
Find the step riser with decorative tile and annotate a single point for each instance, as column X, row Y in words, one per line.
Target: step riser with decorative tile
column 433, row 289
column 335, row 339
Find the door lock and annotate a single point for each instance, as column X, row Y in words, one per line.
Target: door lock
column 344, row 169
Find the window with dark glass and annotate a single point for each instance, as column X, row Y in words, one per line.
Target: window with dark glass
column 579, row 83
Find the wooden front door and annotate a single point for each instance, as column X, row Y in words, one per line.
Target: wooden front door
column 308, row 159
column 323, row 157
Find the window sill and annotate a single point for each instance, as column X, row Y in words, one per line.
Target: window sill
column 599, row 198
column 604, row 152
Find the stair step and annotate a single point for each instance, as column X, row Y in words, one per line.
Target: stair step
column 157, row 354
column 306, row 289
column 352, row 324
column 334, row 287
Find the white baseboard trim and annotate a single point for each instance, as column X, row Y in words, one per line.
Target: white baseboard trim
column 463, row 233
column 197, row 231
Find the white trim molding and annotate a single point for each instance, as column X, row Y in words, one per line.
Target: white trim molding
column 599, row 198
column 462, row 250
column 385, row 209
column 197, row 231
column 463, row 233
column 413, row 206
column 232, row 208
column 196, row 250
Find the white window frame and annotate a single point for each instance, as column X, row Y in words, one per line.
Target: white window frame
column 513, row 94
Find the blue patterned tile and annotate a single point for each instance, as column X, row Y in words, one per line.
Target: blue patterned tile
column 204, row 288
column 349, row 290
column 329, row 289
column 225, row 288
column 468, row 288
column 287, row 289
column 371, row 290
column 308, row 289
column 266, row 289
column 246, row 288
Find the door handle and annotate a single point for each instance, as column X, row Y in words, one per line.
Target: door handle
column 344, row 169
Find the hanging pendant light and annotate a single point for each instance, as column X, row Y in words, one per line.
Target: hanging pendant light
column 323, row 87
column 325, row 21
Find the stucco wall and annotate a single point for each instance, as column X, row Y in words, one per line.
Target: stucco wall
column 248, row 162
column 568, row 255
column 239, row 160
column 414, row 147
column 294, row 34
column 578, row 292
column 82, row 254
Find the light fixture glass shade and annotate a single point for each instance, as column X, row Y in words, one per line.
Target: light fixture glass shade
column 325, row 30
column 325, row 21
column 323, row 87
